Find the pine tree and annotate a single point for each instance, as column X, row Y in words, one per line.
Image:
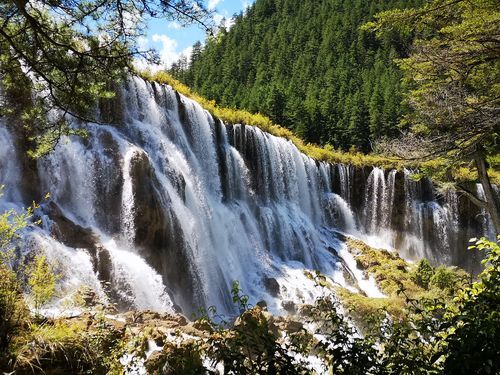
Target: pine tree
column 299, row 62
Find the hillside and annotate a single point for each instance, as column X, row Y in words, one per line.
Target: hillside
column 307, row 66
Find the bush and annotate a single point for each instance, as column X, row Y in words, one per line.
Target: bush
column 423, row 274
column 444, row 278
column 41, row 281
column 177, row 359
column 472, row 329
column 13, row 310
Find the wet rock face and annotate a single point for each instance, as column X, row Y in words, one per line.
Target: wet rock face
column 398, row 211
column 358, row 187
column 69, row 233
column 29, row 181
column 272, row 286
column 220, row 129
column 289, row 306
column 76, row 236
column 159, row 235
column 109, row 187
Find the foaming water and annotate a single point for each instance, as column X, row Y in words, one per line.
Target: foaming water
column 135, row 281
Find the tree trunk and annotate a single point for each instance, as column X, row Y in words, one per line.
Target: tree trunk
column 492, row 204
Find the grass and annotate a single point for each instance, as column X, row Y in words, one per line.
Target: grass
column 52, row 344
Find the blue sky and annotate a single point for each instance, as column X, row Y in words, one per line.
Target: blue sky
column 171, row 39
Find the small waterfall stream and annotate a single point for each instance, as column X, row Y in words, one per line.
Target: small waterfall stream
column 170, row 206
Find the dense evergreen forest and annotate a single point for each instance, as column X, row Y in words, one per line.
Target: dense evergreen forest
column 308, row 66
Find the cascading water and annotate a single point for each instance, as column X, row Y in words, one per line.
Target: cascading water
column 486, row 222
column 170, row 206
column 9, row 169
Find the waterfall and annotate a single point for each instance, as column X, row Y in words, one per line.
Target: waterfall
column 484, row 216
column 377, row 204
column 345, row 182
column 127, row 211
column 9, row 169
column 169, row 206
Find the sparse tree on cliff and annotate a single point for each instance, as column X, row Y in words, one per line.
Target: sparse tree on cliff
column 65, row 54
column 454, row 80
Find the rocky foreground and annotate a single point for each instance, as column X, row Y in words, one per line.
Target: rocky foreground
column 140, row 342
column 96, row 338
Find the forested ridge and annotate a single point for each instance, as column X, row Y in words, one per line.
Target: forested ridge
column 308, row 66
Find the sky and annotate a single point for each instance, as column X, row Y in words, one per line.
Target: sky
column 171, row 39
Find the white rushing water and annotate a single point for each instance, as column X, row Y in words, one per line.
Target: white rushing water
column 182, row 205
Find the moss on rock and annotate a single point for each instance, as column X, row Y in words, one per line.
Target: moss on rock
column 400, row 281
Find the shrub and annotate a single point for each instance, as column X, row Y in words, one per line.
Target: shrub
column 177, row 359
column 472, row 328
column 423, row 273
column 13, row 310
column 42, row 282
column 444, row 278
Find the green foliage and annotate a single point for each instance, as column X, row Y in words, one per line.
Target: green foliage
column 403, row 284
column 41, row 281
column 349, row 354
column 472, row 328
column 11, row 223
column 446, row 336
column 108, row 347
column 452, row 76
column 434, row 336
column 13, row 310
column 177, row 359
column 309, row 67
column 60, row 59
column 444, row 278
column 73, row 347
column 252, row 347
column 239, row 299
column 368, row 313
column 450, row 337
column 423, row 273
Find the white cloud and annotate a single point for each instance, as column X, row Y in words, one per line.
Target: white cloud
column 223, row 19
column 218, row 18
column 187, row 52
column 229, row 23
column 245, row 5
column 212, row 4
column 174, row 25
column 168, row 51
